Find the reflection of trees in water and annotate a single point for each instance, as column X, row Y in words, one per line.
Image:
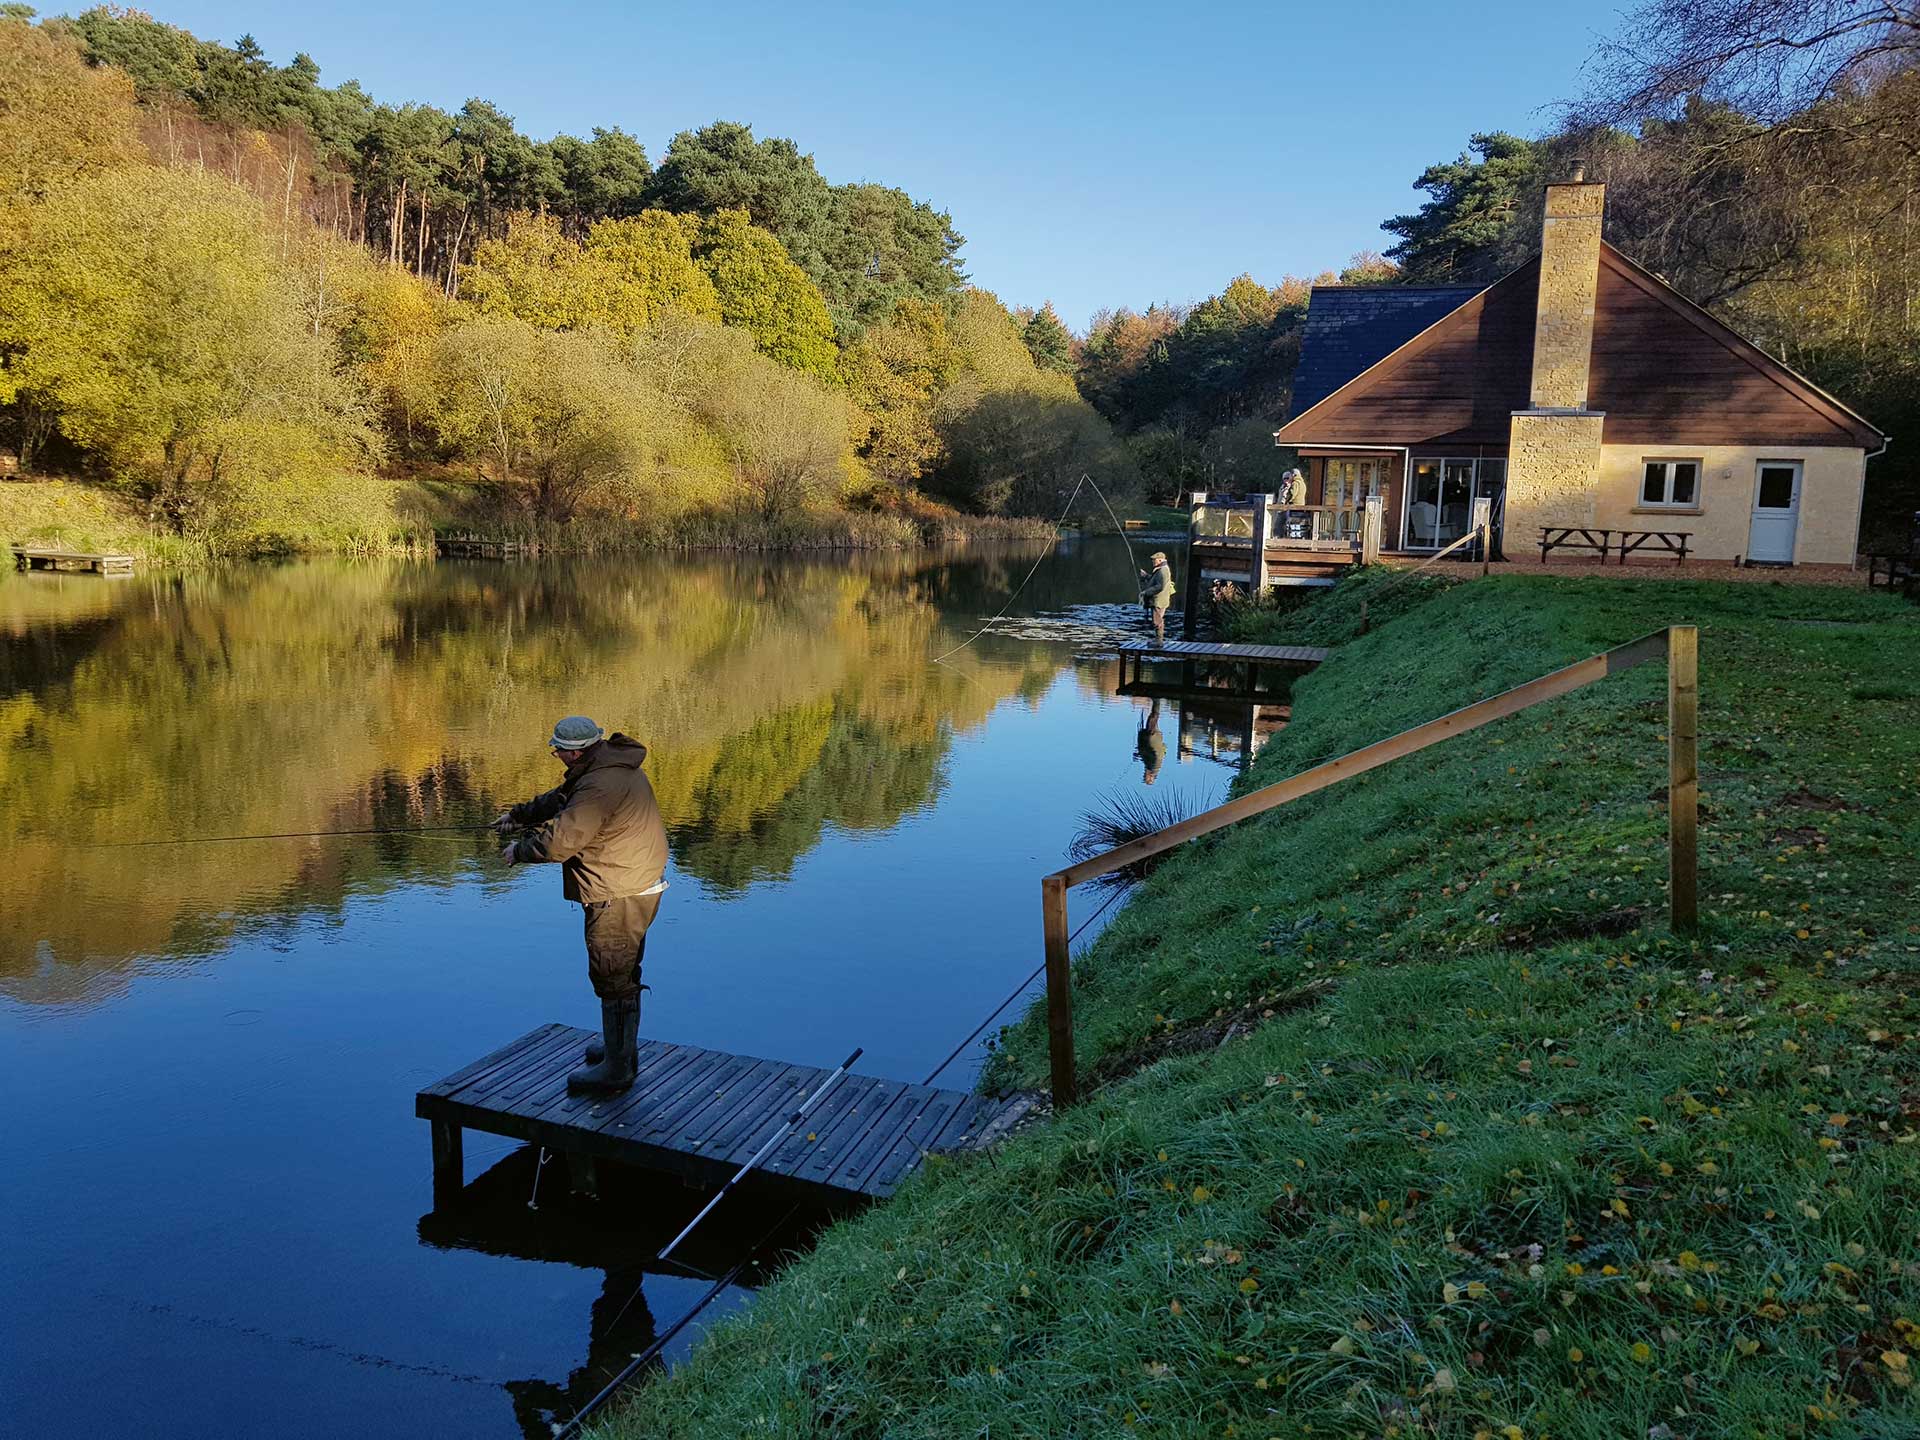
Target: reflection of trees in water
column 779, row 697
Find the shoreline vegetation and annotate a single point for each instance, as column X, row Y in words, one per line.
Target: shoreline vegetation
column 1408, row 1114
column 401, row 518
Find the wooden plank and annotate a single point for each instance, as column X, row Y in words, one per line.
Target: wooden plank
column 500, row 1082
column 840, row 1102
column 695, row 1096
column 739, row 1134
column 908, row 1151
column 857, row 1166
column 632, row 1114
column 746, row 1094
column 466, row 1072
column 888, row 1110
column 479, row 1084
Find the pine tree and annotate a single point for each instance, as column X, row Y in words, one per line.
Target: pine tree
column 1049, row 341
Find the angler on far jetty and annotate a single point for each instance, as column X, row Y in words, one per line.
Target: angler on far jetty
column 602, row 826
column 1157, row 593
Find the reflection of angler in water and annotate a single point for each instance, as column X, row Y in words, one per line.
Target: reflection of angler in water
column 493, row 1218
column 1151, row 744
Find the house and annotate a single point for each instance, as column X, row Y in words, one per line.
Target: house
column 1579, row 390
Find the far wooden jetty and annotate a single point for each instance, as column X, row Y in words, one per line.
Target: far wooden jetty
column 1249, row 660
column 700, row 1114
column 48, row 557
column 483, row 547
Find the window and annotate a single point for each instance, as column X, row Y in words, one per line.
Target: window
column 1671, row 483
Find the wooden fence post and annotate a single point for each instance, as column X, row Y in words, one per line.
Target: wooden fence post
column 1053, row 907
column 1683, row 775
column 1483, row 526
column 1262, row 532
column 1372, row 524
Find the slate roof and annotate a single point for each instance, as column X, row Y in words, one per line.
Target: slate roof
column 1350, row 327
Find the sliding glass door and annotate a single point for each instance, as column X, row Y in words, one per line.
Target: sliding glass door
column 1440, row 496
column 1349, row 483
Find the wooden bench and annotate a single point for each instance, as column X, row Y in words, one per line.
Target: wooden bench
column 1673, row 542
column 1575, row 537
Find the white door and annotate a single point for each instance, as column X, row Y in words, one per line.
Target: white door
column 1776, row 512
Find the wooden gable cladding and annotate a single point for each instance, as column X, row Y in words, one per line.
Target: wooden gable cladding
column 1664, row 372
column 1457, row 382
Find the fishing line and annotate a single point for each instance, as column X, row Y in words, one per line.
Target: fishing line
column 1066, row 510
column 1020, row 990
column 440, row 831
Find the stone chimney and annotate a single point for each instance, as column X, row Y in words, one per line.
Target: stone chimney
column 1569, row 274
column 1553, row 461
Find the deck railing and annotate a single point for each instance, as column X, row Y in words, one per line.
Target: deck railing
column 1678, row 645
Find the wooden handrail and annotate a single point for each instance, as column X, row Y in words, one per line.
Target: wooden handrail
column 1678, row 645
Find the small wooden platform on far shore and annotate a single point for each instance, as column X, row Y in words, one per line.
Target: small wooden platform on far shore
column 700, row 1114
column 50, row 557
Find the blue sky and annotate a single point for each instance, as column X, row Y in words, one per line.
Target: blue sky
column 1091, row 154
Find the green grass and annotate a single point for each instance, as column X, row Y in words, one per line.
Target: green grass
column 1499, row 1150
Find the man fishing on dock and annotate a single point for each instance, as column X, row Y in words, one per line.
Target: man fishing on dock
column 602, row 826
column 1157, row 593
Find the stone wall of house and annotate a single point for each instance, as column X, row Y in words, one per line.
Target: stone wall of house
column 1831, row 484
column 1553, row 466
column 1569, row 277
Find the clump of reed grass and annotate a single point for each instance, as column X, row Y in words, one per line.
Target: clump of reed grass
column 1120, row 817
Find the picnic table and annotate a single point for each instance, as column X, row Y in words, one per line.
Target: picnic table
column 1898, row 569
column 1602, row 539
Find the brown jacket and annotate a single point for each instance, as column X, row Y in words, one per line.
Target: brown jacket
column 601, row 824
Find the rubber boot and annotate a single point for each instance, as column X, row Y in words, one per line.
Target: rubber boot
column 594, row 1052
column 619, row 1031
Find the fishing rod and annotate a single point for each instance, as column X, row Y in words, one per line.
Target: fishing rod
column 440, row 830
column 772, row 1142
column 652, row 1352
column 572, row 1427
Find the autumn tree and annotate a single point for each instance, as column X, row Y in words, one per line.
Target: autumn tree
column 151, row 311
column 763, row 292
column 59, row 116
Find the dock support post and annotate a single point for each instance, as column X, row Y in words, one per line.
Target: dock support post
column 1483, row 527
column 584, row 1175
column 449, row 1167
column 1053, row 907
column 1191, row 607
column 1683, row 776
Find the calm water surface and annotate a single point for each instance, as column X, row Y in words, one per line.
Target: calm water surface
column 216, row 1194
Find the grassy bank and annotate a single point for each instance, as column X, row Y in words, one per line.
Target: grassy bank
column 1500, row 1156
column 368, row 516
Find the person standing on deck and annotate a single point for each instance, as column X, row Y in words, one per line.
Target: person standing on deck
column 602, row 826
column 1293, row 489
column 1157, row 593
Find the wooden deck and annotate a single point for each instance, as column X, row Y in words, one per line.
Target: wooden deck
column 1214, row 650
column 49, row 557
column 482, row 547
column 700, row 1114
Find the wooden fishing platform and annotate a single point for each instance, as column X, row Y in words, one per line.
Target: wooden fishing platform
column 701, row 1114
column 1192, row 652
column 483, row 547
column 47, row 557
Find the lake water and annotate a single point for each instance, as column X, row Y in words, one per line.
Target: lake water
column 216, row 1195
